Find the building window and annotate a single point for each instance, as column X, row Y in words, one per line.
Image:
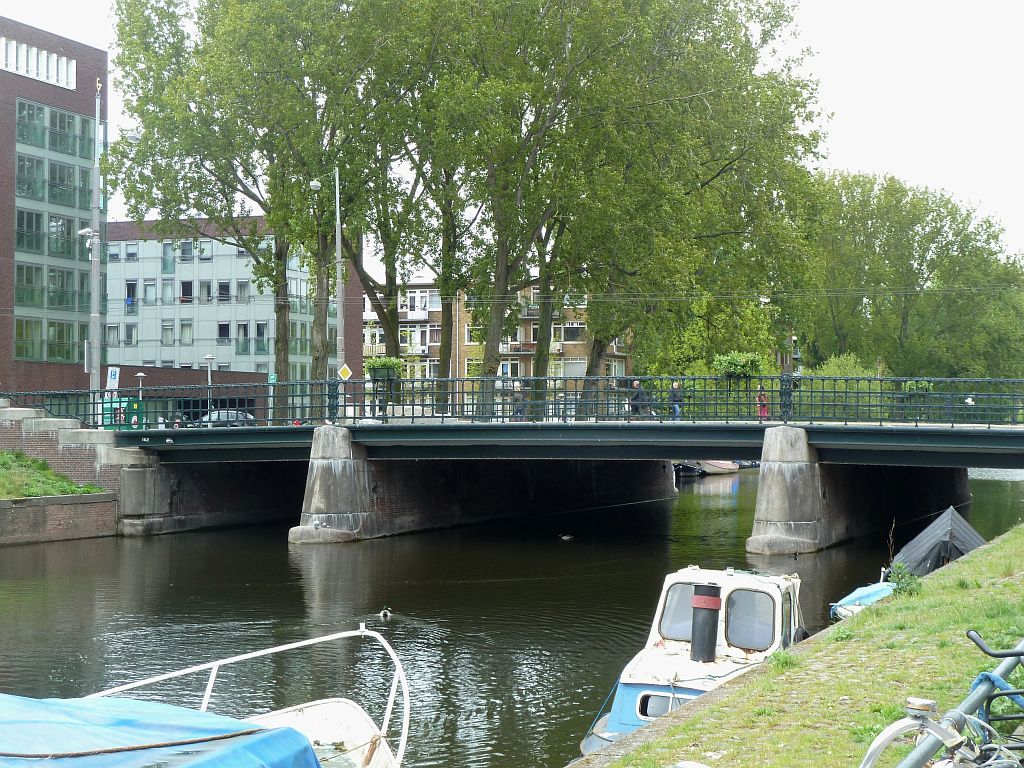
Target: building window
column 185, row 250
column 474, row 367
column 205, row 250
column 205, row 291
column 167, row 333
column 149, row 292
column 242, row 294
column 60, row 289
column 113, row 251
column 568, row 332
column 131, row 251
column 29, row 178
column 223, row 333
column 28, row 233
column 509, row 367
column 131, row 297
column 474, row 333
column 131, row 334
column 113, row 336
column 223, row 290
column 185, row 332
column 166, row 363
column 84, row 292
column 63, row 137
column 186, row 292
column 84, row 188
column 62, row 236
column 62, row 184
column 167, row 259
column 28, row 285
column 86, row 147
column 28, row 339
column 32, row 127
column 149, row 363
column 166, row 291
column 435, row 334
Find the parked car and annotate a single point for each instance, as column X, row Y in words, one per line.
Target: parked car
column 228, row 418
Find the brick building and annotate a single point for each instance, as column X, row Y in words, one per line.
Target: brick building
column 48, row 136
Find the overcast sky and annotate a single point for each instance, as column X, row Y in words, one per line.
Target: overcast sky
column 923, row 89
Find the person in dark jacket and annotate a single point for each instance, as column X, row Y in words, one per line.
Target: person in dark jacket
column 675, row 399
column 637, row 398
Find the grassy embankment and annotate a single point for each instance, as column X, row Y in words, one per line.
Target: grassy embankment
column 22, row 476
column 823, row 702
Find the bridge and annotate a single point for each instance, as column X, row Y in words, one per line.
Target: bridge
column 839, row 455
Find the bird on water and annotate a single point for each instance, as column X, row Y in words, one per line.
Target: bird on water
column 385, row 614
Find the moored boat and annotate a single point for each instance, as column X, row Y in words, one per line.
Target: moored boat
column 710, row 627
column 718, row 467
column 945, row 539
column 108, row 730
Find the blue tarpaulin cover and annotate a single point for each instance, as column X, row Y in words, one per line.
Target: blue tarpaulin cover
column 872, row 593
column 124, row 733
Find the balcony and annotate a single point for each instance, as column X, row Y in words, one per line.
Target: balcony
column 30, row 241
column 31, row 187
column 63, row 247
column 242, row 346
column 28, row 349
column 61, row 299
column 420, row 313
column 131, row 305
column 28, row 296
column 32, row 133
column 62, row 194
column 517, row 347
column 415, row 349
column 375, row 350
column 530, row 310
column 555, row 348
column 262, row 346
column 223, row 341
column 63, row 142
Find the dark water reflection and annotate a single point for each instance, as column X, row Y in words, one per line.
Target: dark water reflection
column 511, row 635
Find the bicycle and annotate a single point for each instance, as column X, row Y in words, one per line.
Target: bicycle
column 985, row 746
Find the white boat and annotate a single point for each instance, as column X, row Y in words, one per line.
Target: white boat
column 718, row 467
column 108, row 730
column 710, row 627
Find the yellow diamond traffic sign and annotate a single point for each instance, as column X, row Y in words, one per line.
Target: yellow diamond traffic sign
column 345, row 372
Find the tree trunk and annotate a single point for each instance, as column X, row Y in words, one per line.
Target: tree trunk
column 321, row 299
column 282, row 320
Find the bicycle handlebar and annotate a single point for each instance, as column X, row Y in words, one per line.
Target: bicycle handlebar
column 976, row 639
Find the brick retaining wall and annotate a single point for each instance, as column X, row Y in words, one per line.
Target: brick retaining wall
column 57, row 518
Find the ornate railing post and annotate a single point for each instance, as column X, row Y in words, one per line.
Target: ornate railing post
column 786, row 396
column 332, row 399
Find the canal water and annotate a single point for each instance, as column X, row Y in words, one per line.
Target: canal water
column 512, row 634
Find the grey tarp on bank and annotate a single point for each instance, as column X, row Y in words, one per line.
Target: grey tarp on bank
column 948, row 537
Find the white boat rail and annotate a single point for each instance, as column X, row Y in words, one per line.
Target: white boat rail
column 399, row 678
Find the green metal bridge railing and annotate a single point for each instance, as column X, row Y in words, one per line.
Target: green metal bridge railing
column 789, row 399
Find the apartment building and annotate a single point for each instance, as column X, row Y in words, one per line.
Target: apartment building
column 190, row 302
column 420, row 337
column 48, row 140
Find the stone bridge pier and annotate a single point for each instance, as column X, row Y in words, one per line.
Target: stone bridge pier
column 350, row 497
column 806, row 506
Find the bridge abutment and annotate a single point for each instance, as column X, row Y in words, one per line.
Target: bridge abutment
column 349, row 497
column 805, row 506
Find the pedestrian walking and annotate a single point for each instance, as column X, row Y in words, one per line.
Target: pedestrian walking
column 762, row 403
column 675, row 399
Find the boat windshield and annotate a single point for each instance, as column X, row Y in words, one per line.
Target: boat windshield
column 677, row 618
column 750, row 620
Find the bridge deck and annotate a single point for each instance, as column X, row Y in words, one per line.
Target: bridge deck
column 883, row 444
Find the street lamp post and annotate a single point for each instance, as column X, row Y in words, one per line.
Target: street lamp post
column 140, row 376
column 209, row 383
column 339, row 264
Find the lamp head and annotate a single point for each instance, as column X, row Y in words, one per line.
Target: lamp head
column 87, row 232
column 315, row 185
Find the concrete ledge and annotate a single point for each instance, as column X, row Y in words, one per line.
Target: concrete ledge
column 309, row 534
column 49, row 424
column 77, row 436
column 57, row 518
column 107, row 455
column 20, row 414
